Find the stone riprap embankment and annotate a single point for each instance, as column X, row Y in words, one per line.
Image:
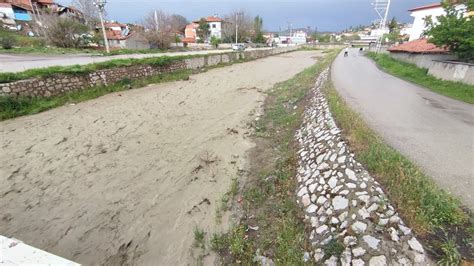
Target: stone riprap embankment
column 58, row 84
column 343, row 204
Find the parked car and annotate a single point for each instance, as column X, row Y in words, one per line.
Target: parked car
column 238, row 47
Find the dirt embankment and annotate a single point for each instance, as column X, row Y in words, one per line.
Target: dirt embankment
column 128, row 176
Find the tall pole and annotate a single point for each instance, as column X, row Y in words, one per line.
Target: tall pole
column 236, row 27
column 100, row 4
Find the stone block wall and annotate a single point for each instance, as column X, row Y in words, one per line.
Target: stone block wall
column 62, row 83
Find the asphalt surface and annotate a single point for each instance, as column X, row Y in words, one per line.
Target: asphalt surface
column 435, row 132
column 18, row 63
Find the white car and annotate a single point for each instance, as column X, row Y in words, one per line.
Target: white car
column 238, row 47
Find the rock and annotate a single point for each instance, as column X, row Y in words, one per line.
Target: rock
column 312, row 187
column 314, row 221
column 332, row 261
column 363, row 213
column 359, row 227
column 383, row 222
column 341, row 159
column 404, row 229
column 343, row 216
column 333, row 157
column 415, row 245
column 340, row 203
column 321, row 229
column 350, row 174
column 332, row 182
column 323, row 166
column 302, row 191
column 343, row 225
column 306, row 200
column 351, row 185
column 318, row 254
column 334, row 220
column 311, row 209
column 357, row 252
column 393, row 234
column 378, row 261
column 350, row 240
column 321, row 200
column 306, row 256
column 358, row 262
column 363, row 185
column 371, row 241
column 419, row 258
column 346, row 257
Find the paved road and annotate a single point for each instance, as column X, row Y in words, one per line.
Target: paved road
column 18, row 63
column 434, row 131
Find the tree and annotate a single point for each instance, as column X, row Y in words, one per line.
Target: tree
column 203, row 30
column 215, row 41
column 454, row 30
column 244, row 24
column 178, row 22
column 258, row 25
column 90, row 12
column 393, row 25
column 158, row 30
column 65, row 32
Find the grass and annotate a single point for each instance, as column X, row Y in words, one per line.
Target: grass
column 432, row 213
column 333, row 248
column 268, row 201
column 420, row 76
column 14, row 107
column 85, row 69
column 419, row 200
column 199, row 238
column 227, row 198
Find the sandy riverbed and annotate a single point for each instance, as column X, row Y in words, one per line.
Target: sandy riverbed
column 128, row 176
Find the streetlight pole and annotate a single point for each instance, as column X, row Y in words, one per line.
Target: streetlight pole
column 236, row 27
column 100, row 4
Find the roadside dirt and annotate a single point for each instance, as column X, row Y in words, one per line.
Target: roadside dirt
column 128, row 177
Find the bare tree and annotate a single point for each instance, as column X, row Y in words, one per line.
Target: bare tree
column 178, row 22
column 244, row 22
column 65, row 32
column 158, row 29
column 89, row 10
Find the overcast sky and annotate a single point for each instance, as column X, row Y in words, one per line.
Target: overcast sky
column 327, row 15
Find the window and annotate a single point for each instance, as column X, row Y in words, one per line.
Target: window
column 213, row 26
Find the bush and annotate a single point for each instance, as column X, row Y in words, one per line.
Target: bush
column 66, row 32
column 7, row 42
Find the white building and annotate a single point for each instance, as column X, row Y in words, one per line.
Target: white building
column 215, row 28
column 419, row 14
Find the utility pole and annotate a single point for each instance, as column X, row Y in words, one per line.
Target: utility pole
column 236, row 27
column 100, row 4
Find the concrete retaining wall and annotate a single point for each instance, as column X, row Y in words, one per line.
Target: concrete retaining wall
column 60, row 83
column 440, row 66
column 454, row 71
column 421, row 60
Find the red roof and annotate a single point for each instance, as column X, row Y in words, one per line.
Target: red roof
column 188, row 40
column 421, row 46
column 114, row 24
column 192, row 26
column 5, row 5
column 211, row 19
column 435, row 5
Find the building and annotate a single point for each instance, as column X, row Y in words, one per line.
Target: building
column 190, row 33
column 419, row 14
column 120, row 36
column 215, row 29
column 296, row 38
